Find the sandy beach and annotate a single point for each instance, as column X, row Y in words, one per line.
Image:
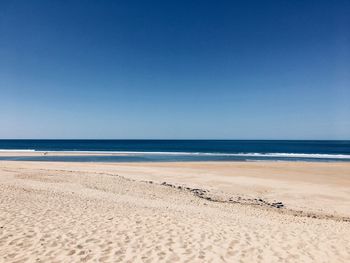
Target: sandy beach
column 174, row 212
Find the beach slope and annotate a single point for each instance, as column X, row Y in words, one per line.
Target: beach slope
column 174, row 212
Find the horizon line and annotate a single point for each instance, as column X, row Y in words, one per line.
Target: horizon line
column 188, row 139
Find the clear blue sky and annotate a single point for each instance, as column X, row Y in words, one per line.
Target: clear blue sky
column 175, row 69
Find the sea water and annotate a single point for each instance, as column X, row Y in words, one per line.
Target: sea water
column 182, row 150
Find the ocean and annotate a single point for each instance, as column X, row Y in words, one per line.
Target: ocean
column 182, row 150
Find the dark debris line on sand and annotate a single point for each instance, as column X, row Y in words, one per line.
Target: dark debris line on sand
column 277, row 206
column 201, row 193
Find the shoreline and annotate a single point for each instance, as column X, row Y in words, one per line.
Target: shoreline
column 129, row 156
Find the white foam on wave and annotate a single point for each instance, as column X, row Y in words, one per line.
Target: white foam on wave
column 15, row 150
column 296, row 155
column 276, row 155
column 265, row 155
column 282, row 155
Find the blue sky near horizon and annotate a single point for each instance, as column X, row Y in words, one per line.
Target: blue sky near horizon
column 175, row 69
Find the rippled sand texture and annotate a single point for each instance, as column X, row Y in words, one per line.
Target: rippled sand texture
column 54, row 212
